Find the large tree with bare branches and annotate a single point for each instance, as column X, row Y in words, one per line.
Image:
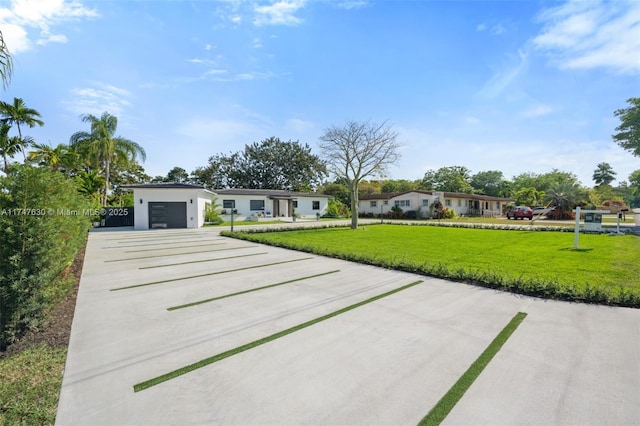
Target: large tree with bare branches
column 358, row 150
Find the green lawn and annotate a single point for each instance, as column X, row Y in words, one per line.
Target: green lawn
column 29, row 386
column 605, row 269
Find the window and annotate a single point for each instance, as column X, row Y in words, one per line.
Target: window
column 373, row 204
column 386, row 202
column 256, row 205
column 315, row 205
column 459, row 203
column 425, row 203
column 295, row 204
column 447, row 203
column 403, row 203
column 228, row 204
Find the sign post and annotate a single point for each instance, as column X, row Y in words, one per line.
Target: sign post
column 592, row 222
column 577, row 228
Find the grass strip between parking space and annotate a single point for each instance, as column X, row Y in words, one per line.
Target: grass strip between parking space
column 173, row 247
column 159, row 244
column 209, row 273
column 203, row 260
column 442, row 409
column 200, row 302
column 176, row 254
column 226, row 354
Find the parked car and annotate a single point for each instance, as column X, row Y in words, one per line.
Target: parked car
column 542, row 211
column 520, row 212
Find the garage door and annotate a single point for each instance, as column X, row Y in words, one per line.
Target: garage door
column 167, row 215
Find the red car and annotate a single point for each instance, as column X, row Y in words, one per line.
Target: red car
column 520, row 212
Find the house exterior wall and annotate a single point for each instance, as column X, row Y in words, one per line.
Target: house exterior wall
column 195, row 200
column 413, row 200
column 304, row 207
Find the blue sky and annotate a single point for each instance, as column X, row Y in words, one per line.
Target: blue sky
column 515, row 86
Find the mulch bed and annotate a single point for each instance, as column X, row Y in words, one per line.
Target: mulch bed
column 56, row 329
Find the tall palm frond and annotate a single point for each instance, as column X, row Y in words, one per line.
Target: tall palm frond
column 6, row 63
column 17, row 113
column 102, row 147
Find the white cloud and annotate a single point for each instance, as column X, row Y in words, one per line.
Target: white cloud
column 352, row 5
column 495, row 29
column 98, row 99
column 281, row 12
column 581, row 34
column 297, row 125
column 498, row 29
column 502, row 79
column 51, row 38
column 23, row 16
column 537, row 111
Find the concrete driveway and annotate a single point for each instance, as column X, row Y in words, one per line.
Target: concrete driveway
column 387, row 362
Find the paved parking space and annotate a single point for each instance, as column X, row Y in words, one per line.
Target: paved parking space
column 387, row 362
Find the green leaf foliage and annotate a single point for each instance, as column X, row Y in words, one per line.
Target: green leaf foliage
column 43, row 224
column 628, row 136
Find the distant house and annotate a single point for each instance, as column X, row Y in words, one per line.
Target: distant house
column 169, row 205
column 424, row 201
column 272, row 202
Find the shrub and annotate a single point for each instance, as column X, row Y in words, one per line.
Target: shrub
column 43, row 225
column 449, row 213
column 211, row 213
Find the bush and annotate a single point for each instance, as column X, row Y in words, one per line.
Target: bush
column 448, row 213
column 336, row 209
column 43, row 225
column 211, row 214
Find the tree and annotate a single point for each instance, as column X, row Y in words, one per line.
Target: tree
column 402, row 185
column 6, row 63
column 177, row 174
column 9, row 145
column 89, row 183
column 449, row 179
column 603, row 174
column 358, row 150
column 634, row 189
column 269, row 164
column 528, row 197
column 59, row 158
column 102, row 146
column 339, row 191
column 628, row 136
column 490, row 182
column 17, row 113
column 564, row 196
column 38, row 248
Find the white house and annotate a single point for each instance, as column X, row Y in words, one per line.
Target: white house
column 424, row 201
column 169, row 205
column 272, row 202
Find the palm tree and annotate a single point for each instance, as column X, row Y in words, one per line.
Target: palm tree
column 17, row 113
column 11, row 145
column 7, row 146
column 100, row 145
column 89, row 183
column 564, row 196
column 59, row 158
column 6, row 63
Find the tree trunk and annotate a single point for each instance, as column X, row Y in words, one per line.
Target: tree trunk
column 106, row 183
column 353, row 189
